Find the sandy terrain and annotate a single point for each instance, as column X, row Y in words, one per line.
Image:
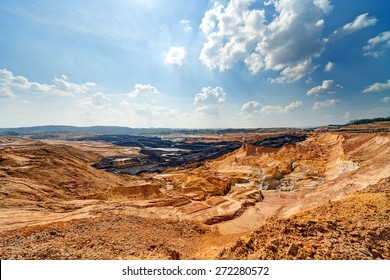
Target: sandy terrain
column 324, row 198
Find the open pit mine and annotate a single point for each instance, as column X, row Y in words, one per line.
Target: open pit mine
column 318, row 194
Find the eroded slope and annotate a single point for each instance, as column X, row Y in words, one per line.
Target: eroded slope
column 356, row 227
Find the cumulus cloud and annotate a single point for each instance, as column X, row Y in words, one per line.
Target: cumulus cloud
column 325, row 5
column 386, row 99
column 232, row 33
column 329, row 66
column 288, row 43
column 210, row 95
column 141, row 90
column 209, row 100
column 281, row 109
column 376, row 46
column 97, row 99
column 327, row 86
column 143, row 102
column 377, row 87
column 10, row 83
column 254, row 62
column 6, row 92
column 360, row 22
column 175, row 55
column 236, row 33
column 64, row 85
column 326, row 104
column 255, row 107
column 284, row 44
column 295, row 73
column 61, row 86
column 251, row 107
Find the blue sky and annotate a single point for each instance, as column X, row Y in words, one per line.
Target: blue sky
column 192, row 64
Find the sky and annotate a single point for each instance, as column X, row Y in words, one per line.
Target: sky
column 194, row 63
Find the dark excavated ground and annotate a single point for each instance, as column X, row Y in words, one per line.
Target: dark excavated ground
column 157, row 154
column 280, row 141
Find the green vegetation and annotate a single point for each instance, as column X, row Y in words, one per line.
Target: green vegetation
column 365, row 121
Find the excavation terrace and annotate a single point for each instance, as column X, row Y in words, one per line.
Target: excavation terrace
column 157, row 154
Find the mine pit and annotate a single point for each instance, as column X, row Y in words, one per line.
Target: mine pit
column 215, row 196
column 153, row 155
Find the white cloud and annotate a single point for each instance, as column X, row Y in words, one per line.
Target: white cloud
column 64, row 85
column 208, row 110
column 209, row 100
column 5, row 75
column 326, row 104
column 281, row 109
column 61, row 86
column 232, row 33
column 254, row 62
column 6, row 92
column 144, row 101
column 377, row 87
column 255, row 107
column 292, row 106
column 147, row 109
column 210, row 95
column 325, row 5
column 186, row 25
column 10, row 83
column 386, row 99
column 251, row 107
column 295, row 73
column 237, row 33
column 329, row 66
column 141, row 90
column 384, row 37
column 285, row 46
column 288, row 43
column 97, row 99
column 377, row 45
column 327, row 86
column 360, row 22
column 175, row 55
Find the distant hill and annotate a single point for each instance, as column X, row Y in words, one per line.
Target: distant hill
column 52, row 131
column 55, row 129
column 48, row 131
